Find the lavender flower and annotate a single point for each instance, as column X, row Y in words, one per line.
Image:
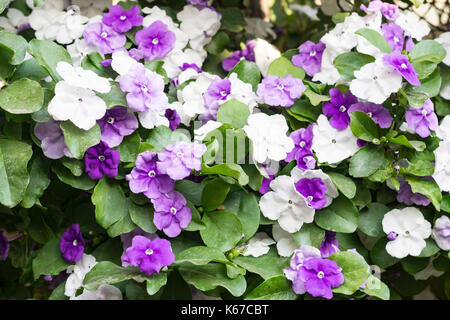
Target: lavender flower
column 101, row 160
column 309, row 57
column 186, row 66
column 4, row 246
column 178, row 160
column 146, row 178
column 145, row 89
column 265, row 184
column 248, row 54
column 217, row 91
column 171, row 213
column 401, row 63
column 72, row 244
column 422, row 120
column 115, row 124
column 392, row 236
column 52, row 139
column 441, row 232
column 149, row 255
column 393, row 34
column 302, row 138
column 337, row 108
column 314, row 191
column 389, row 11
column 330, row 245
column 174, row 119
column 155, row 41
column 379, row 114
column 104, row 37
column 406, row 196
column 276, row 91
column 121, row 20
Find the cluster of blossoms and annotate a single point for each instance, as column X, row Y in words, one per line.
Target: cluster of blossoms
column 342, row 143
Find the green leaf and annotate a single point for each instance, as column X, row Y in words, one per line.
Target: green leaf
column 3, row 4
column 234, row 113
column 142, row 216
column 48, row 54
column 315, row 98
column 429, row 85
column 29, row 69
column 16, row 43
column 426, row 187
column 232, row 19
column 275, row 288
column 403, row 141
column 39, row 181
column 115, row 97
column 430, row 249
column 371, row 218
column 379, row 255
column 23, row 96
column 302, row 110
column 82, row 182
column 129, row 148
column 340, row 216
column 309, row 234
column 376, row 288
column 201, row 255
column 156, row 282
column 363, row 126
column 110, row 202
column 445, row 203
column 344, row 184
column 246, row 208
column 227, row 169
column 219, row 42
column 162, row 136
column 427, row 50
column 214, row 194
column 420, row 164
column 14, row 177
column 366, row 161
column 248, row 72
column 79, row 140
column 375, row 38
column 355, row 271
column 196, row 223
column 223, row 230
column 124, row 225
column 412, row 265
column 210, row 276
column 191, row 190
column 49, row 260
column 349, row 62
column 267, row 266
column 281, row 67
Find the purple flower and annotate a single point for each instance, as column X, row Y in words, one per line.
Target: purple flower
column 106, row 62
column 379, row 114
column 4, row 246
column 389, row 11
column 217, row 91
column 441, row 232
column 409, row 44
column 55, row 281
column 201, row 3
column 115, row 124
column 122, row 21
column 178, row 160
column 313, row 274
column 309, row 57
column 302, row 138
column 276, row 91
column 401, row 63
column 149, row 255
column 361, row 143
column 146, row 178
column 174, row 119
column 186, row 66
column 52, row 139
column 422, row 120
column 104, row 37
column 72, row 244
column 265, row 184
column 155, row 41
column 101, row 160
column 337, row 108
column 406, row 196
column 392, row 236
column 171, row 213
column 330, row 245
column 314, row 191
column 393, row 34
column 145, row 89
column 305, row 160
column 248, row 54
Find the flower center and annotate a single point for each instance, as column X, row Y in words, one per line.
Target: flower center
column 223, row 93
column 110, row 120
column 173, row 210
column 369, row 114
column 104, row 35
column 312, row 53
column 302, row 144
column 155, row 41
column 123, row 17
column 333, row 141
column 375, row 78
column 403, row 66
column 396, row 39
column 179, row 154
column 424, row 112
column 144, row 88
column 406, row 233
column 320, row 274
column 280, row 87
column 342, row 108
column 149, row 252
column 101, row 158
column 290, row 202
column 151, row 173
column 309, row 198
column 75, row 243
column 80, row 100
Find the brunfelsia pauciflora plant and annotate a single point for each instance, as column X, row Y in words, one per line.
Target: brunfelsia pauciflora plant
column 142, row 143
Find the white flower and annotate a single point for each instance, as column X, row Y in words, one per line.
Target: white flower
column 121, row 62
column 286, row 244
column 104, row 292
column 411, row 230
column 258, row 245
column 444, row 39
column 48, row 4
column 445, row 91
column 297, row 174
column 441, row 232
column 265, row 54
column 443, row 130
column 331, row 145
column 342, row 37
column 178, row 107
column 192, row 94
column 442, row 166
column 91, row 8
column 176, row 58
column 412, row 25
column 286, row 205
column 375, row 82
column 201, row 133
column 428, row 271
column 77, row 273
column 79, row 105
column 404, row 127
column 373, row 22
column 79, row 50
column 13, row 20
column 150, row 119
column 328, row 73
column 307, row 10
column 78, row 77
column 259, row 27
column 242, row 91
column 268, row 136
